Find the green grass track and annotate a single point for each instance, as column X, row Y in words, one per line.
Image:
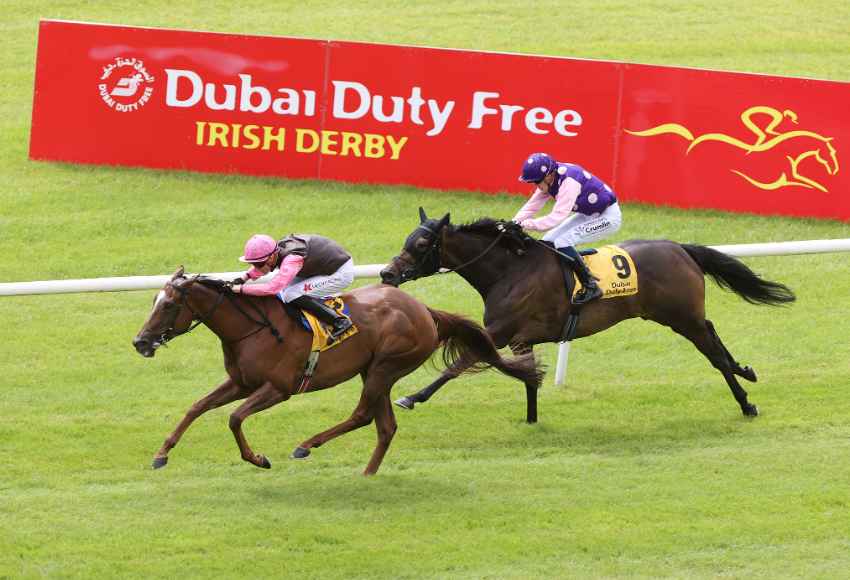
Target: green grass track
column 641, row 467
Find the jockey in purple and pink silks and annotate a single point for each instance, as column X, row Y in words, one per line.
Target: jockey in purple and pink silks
column 308, row 269
column 586, row 210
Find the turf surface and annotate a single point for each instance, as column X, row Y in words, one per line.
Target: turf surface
column 641, row 467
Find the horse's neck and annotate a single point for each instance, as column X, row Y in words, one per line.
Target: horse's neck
column 485, row 270
column 225, row 320
column 498, row 272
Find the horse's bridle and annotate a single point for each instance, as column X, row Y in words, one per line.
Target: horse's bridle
column 434, row 251
column 429, row 258
column 199, row 318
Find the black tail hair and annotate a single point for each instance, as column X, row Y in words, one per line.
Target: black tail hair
column 732, row 274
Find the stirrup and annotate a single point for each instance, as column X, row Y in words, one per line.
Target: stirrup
column 343, row 327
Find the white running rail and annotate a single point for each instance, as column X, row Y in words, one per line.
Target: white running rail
column 373, row 270
column 129, row 283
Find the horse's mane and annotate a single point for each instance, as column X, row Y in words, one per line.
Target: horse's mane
column 224, row 286
column 489, row 227
column 216, row 283
column 482, row 226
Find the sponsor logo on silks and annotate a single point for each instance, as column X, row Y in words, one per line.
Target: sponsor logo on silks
column 589, row 229
column 125, row 85
column 308, row 287
column 813, row 145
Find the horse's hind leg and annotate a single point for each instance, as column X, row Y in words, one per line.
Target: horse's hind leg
column 745, row 372
column 263, row 398
column 361, row 417
column 704, row 337
column 386, row 425
column 225, row 393
column 374, row 403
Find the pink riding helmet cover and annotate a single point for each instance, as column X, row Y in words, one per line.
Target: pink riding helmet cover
column 258, row 248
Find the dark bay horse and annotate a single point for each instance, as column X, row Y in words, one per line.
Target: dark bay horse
column 525, row 303
column 265, row 350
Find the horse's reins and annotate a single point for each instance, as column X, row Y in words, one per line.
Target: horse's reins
column 200, row 319
column 264, row 323
column 553, row 249
column 196, row 316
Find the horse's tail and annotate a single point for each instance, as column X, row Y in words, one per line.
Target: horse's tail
column 468, row 348
column 732, row 274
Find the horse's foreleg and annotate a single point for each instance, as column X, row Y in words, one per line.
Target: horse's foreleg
column 530, row 387
column 361, row 417
column 706, row 340
column 386, row 426
column 225, row 393
column 450, row 373
column 263, row 398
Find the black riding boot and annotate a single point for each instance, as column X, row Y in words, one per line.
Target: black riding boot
column 590, row 291
column 325, row 313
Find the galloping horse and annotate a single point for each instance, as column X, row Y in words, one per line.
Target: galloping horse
column 525, row 302
column 265, row 350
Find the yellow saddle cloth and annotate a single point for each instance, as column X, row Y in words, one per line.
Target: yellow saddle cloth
column 321, row 332
column 615, row 269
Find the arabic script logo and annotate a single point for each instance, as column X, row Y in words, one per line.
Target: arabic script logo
column 121, row 86
column 814, row 145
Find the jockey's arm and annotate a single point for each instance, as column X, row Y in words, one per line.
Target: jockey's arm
column 252, row 274
column 289, row 268
column 532, row 206
column 564, row 202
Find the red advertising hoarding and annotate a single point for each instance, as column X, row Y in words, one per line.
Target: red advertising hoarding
column 436, row 118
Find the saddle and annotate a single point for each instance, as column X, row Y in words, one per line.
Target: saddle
column 612, row 266
column 321, row 335
column 321, row 332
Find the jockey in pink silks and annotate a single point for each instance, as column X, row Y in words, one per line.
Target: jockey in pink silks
column 586, row 210
column 307, row 269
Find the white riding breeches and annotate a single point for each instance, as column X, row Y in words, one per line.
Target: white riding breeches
column 320, row 286
column 580, row 228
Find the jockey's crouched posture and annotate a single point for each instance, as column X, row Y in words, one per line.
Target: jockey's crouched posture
column 586, row 210
column 309, row 268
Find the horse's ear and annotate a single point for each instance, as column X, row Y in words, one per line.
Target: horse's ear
column 178, row 273
column 422, row 216
column 444, row 221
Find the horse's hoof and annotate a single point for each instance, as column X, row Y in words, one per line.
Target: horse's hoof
column 749, row 374
column 751, row 411
column 300, row 453
column 159, row 462
column 264, row 462
column 405, row 403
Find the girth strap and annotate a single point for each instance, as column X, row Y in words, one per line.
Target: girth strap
column 567, row 268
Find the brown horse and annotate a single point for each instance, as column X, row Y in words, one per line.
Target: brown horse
column 525, row 302
column 265, row 350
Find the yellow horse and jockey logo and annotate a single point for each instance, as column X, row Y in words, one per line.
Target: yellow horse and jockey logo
column 815, row 146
